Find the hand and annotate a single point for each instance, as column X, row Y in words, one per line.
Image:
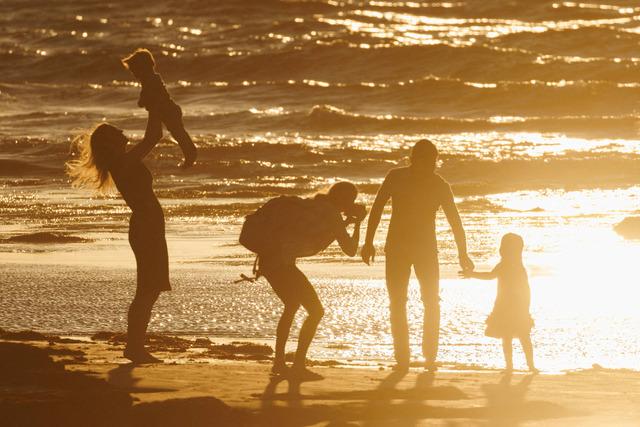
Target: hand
column 465, row 274
column 352, row 220
column 368, row 253
column 465, row 262
column 357, row 211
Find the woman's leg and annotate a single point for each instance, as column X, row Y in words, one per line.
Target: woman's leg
column 527, row 347
column 311, row 303
column 138, row 318
column 282, row 281
column 282, row 333
column 507, row 349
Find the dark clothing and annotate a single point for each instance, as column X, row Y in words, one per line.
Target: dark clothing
column 154, row 96
column 146, row 226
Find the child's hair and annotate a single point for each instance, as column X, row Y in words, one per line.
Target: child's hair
column 139, row 60
column 511, row 247
column 90, row 169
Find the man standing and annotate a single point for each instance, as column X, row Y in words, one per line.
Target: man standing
column 417, row 193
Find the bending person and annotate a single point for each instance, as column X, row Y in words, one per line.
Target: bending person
column 417, row 193
column 294, row 228
column 105, row 160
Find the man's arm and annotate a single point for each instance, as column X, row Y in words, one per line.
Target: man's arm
column 451, row 212
column 384, row 194
column 152, row 136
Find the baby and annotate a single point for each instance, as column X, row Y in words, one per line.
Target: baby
column 510, row 317
column 155, row 98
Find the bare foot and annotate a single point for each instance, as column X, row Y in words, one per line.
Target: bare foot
column 140, row 356
column 303, row 374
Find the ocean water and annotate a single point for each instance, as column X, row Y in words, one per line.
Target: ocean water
column 533, row 105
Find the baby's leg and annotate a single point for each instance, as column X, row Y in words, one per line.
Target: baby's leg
column 527, row 347
column 174, row 124
column 507, row 349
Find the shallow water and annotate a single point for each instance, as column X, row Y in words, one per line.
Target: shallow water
column 533, row 105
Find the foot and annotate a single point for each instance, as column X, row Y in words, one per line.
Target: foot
column 303, row 374
column 430, row 366
column 190, row 156
column 534, row 370
column 508, row 370
column 140, row 356
column 401, row 368
column 279, row 368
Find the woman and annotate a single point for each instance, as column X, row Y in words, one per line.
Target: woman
column 105, row 160
column 308, row 226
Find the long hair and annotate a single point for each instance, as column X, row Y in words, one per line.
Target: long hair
column 90, row 168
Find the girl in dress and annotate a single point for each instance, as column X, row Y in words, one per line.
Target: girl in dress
column 510, row 316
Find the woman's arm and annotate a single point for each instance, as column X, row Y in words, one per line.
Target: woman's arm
column 349, row 244
column 152, row 135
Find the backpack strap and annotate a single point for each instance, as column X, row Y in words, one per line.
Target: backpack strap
column 255, row 271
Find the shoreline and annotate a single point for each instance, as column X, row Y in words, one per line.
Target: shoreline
column 89, row 383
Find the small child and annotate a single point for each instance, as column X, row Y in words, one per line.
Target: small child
column 510, row 316
column 155, row 99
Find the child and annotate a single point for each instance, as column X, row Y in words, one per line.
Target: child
column 510, row 316
column 155, row 98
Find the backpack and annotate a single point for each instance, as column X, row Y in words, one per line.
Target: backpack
column 261, row 228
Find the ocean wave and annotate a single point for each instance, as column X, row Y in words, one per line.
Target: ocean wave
column 46, row 237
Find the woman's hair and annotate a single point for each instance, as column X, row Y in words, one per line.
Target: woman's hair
column 139, row 60
column 91, row 167
column 511, row 246
column 341, row 193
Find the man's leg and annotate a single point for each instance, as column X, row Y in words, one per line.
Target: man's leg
column 428, row 274
column 398, row 272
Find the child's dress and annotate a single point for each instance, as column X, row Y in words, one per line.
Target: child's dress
column 510, row 316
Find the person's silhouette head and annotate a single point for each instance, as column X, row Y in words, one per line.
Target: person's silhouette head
column 140, row 63
column 424, row 155
column 343, row 195
column 511, row 247
column 98, row 151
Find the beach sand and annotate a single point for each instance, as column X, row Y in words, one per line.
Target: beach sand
column 64, row 382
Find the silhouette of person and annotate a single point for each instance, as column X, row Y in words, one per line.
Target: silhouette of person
column 155, row 98
column 104, row 161
column 417, row 193
column 510, row 316
column 314, row 225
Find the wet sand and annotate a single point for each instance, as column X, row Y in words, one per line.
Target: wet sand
column 88, row 383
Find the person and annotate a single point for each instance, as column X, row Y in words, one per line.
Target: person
column 104, row 160
column 294, row 228
column 417, row 193
column 155, row 98
column 510, row 316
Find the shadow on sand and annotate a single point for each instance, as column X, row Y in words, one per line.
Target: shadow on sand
column 36, row 391
column 388, row 406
